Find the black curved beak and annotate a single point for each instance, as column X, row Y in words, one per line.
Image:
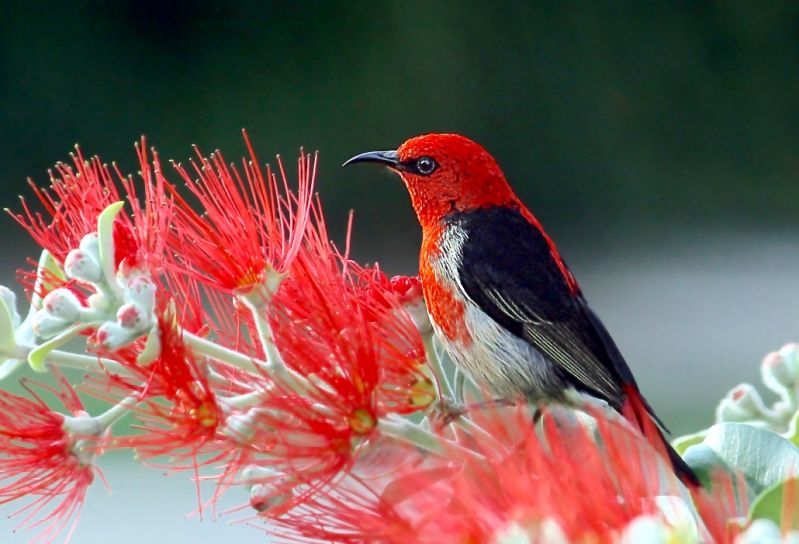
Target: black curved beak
column 389, row 158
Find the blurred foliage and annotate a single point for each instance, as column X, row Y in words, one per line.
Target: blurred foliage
column 603, row 114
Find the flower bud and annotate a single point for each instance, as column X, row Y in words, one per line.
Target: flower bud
column 112, row 336
column 409, row 289
column 512, row 533
column 419, row 316
column 743, row 403
column 264, row 498
column 239, row 427
column 91, row 245
column 679, row 517
column 547, row 531
column 409, row 292
column 63, row 304
column 45, row 325
column 780, row 370
column 761, row 531
column 645, row 528
column 551, row 532
column 134, row 317
column 140, row 290
column 270, row 489
column 98, row 302
column 82, row 266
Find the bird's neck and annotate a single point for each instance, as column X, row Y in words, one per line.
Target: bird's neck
column 433, row 204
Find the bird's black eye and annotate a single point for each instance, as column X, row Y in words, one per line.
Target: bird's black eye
column 426, row 165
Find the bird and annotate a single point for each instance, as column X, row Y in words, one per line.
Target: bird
column 501, row 299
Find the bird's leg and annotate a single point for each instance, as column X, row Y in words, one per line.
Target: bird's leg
column 448, row 410
column 539, row 412
column 451, row 410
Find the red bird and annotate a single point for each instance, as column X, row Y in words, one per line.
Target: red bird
column 499, row 295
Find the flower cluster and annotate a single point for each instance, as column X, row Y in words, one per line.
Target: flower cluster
column 47, row 458
column 220, row 318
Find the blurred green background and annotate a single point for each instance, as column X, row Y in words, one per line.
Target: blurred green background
column 657, row 141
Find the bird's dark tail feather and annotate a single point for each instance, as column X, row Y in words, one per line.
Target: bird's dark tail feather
column 681, row 468
column 647, row 422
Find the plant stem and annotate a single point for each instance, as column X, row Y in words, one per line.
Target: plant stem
column 80, row 361
column 444, row 388
column 96, row 425
column 406, row 431
column 257, row 302
column 460, row 385
column 221, row 353
column 116, row 412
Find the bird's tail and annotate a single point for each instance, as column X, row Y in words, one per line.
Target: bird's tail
column 637, row 410
column 681, row 468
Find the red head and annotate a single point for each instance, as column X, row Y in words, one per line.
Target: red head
column 444, row 173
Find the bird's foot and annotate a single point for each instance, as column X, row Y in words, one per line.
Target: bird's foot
column 449, row 410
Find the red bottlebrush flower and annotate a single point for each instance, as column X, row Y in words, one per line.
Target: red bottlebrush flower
column 249, row 224
column 361, row 360
column 42, row 282
column 40, row 460
column 395, row 309
column 141, row 239
column 81, row 191
column 178, row 411
column 361, row 346
column 78, row 194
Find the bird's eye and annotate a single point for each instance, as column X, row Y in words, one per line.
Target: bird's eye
column 426, row 165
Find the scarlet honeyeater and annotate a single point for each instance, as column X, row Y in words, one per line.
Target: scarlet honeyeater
column 501, row 298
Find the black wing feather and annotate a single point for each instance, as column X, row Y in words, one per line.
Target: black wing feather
column 508, row 270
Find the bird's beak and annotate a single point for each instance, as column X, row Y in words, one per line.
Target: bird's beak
column 389, row 158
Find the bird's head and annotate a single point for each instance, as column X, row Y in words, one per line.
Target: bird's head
column 445, row 173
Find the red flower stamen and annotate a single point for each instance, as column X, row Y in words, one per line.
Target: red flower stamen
column 41, row 461
column 249, row 224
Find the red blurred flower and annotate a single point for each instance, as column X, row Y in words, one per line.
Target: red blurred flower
column 40, row 460
column 590, row 492
column 567, row 481
column 249, row 224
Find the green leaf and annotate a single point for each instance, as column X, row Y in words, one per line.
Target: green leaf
column 682, row 443
column 762, row 457
column 47, row 268
column 37, row 356
column 8, row 342
column 793, row 430
column 770, row 504
column 105, row 238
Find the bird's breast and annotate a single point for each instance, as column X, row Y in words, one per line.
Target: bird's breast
column 438, row 268
column 488, row 352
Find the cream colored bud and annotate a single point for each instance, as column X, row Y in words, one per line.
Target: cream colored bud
column 63, row 304
column 743, row 403
column 46, row 325
column 112, row 336
column 81, row 265
column 133, row 317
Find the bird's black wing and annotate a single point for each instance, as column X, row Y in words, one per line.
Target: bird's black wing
column 508, row 269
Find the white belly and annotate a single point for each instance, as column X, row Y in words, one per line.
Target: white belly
column 500, row 361
column 495, row 358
